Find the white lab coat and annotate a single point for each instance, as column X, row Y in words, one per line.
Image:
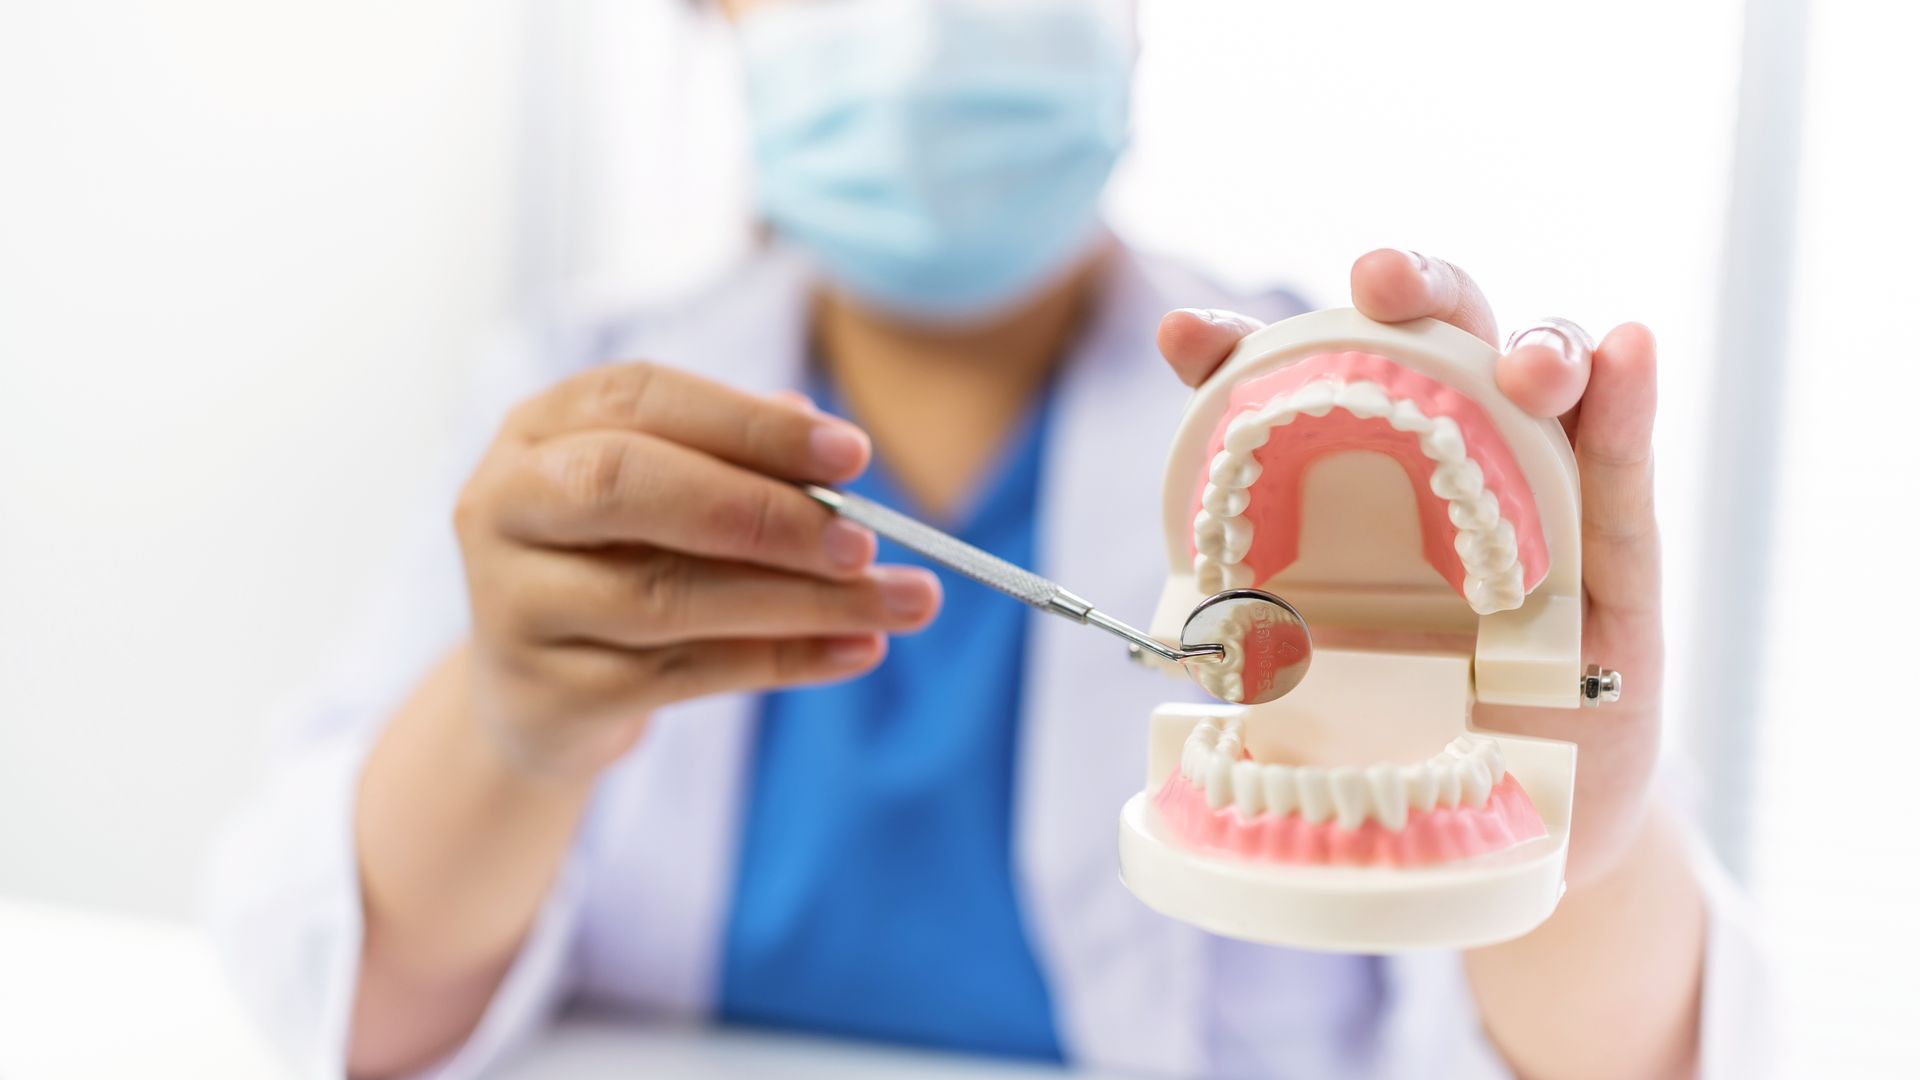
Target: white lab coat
column 634, row 923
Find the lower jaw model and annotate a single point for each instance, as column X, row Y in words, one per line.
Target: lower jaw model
column 1428, row 531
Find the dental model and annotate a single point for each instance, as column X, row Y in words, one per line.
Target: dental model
column 1428, row 531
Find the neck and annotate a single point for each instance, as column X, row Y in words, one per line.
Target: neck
column 939, row 401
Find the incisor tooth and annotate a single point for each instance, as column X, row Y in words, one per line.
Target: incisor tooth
column 1276, row 787
column 1422, row 786
column 1349, row 787
column 1446, row 781
column 1247, row 794
column 1219, row 786
column 1316, row 801
column 1315, row 398
column 1389, row 795
column 1365, row 400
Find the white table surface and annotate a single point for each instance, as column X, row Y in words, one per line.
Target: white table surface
column 94, row 996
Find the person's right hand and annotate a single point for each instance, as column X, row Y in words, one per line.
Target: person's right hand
column 631, row 539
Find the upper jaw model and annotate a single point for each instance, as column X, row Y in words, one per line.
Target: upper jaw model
column 1428, row 530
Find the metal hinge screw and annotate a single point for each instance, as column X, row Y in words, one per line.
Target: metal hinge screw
column 1599, row 686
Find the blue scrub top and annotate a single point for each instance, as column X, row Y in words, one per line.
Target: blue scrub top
column 874, row 896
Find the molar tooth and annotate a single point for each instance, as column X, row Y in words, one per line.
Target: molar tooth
column 1422, row 786
column 1406, row 416
column 1224, row 502
column 1315, row 398
column 1488, row 754
column 1389, row 795
column 1461, row 480
column 1277, row 789
column 1444, row 443
column 1480, row 512
column 1247, row 433
column 1365, row 400
column 1229, row 745
column 1316, row 799
column 1219, row 784
column 1236, row 538
column 1207, row 574
column 1350, row 802
column 1475, row 783
column 1247, row 793
column 1232, row 470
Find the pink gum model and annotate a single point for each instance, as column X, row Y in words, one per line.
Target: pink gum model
column 1275, row 514
column 1440, row 835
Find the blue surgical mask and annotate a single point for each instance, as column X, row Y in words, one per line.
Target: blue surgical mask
column 936, row 158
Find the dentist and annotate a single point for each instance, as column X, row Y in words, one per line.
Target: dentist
column 646, row 730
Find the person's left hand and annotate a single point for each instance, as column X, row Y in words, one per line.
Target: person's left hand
column 1604, row 396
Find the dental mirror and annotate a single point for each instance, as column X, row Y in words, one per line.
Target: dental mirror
column 1266, row 647
column 1247, row 647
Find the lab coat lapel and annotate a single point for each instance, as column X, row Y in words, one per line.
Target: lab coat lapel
column 666, row 855
column 1125, row 982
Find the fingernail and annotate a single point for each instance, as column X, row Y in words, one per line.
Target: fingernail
column 843, row 652
column 1427, row 270
column 1546, row 337
column 837, row 447
column 848, row 546
column 908, row 592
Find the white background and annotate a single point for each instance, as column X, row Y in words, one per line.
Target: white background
column 246, row 252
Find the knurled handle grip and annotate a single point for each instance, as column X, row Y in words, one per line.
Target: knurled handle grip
column 989, row 570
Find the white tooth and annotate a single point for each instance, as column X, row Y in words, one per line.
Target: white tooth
column 1479, row 512
column 1422, row 786
column 1475, row 783
column 1224, row 502
column 1277, row 788
column 1236, row 537
column 1206, row 573
column 1246, row 434
column 1349, row 786
column 1315, row 398
column 1229, row 745
column 1316, row 800
column 1364, row 400
column 1246, row 788
column 1235, row 576
column 1389, row 795
column 1461, row 746
column 1444, row 443
column 1461, row 480
column 1488, row 754
column 1406, row 416
column 1279, row 412
column 1229, row 469
column 1446, row 781
column 1219, row 785
column 1206, row 529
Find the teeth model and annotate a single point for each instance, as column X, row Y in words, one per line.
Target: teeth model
column 1457, row 804
column 1497, row 550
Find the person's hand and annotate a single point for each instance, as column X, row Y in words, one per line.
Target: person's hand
column 632, row 539
column 1604, row 396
